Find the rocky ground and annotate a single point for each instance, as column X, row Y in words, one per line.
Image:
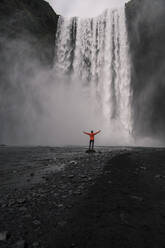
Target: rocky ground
column 64, row 197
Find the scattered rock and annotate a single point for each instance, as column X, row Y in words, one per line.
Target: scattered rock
column 56, row 194
column 62, row 223
column 138, row 198
column 60, row 205
column 36, row 222
column 122, row 217
column 4, row 205
column 21, row 201
column 4, row 236
column 36, row 244
column 27, row 216
column 23, row 209
column 78, row 192
column 73, row 162
column 72, row 246
column 158, row 176
column 83, row 176
column 70, row 206
column 11, row 202
column 21, row 244
column 71, row 176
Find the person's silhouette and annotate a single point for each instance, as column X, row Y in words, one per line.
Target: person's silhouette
column 92, row 139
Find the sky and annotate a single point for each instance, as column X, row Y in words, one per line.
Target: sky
column 83, row 8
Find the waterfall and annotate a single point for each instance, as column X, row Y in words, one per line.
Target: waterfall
column 96, row 50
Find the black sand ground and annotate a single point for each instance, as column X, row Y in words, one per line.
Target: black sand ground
column 63, row 197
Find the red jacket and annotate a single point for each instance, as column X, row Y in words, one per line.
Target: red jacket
column 92, row 135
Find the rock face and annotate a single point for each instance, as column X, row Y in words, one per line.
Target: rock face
column 27, row 44
column 146, row 25
column 33, row 21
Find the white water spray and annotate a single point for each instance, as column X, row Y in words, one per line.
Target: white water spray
column 96, row 51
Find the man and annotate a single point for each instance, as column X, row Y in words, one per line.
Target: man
column 92, row 138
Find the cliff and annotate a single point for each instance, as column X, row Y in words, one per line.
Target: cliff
column 33, row 21
column 27, row 43
column 146, row 27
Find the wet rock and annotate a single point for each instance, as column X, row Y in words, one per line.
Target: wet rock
column 107, row 172
column 36, row 222
column 56, row 194
column 70, row 192
column 36, row 244
column 11, row 203
column 71, row 176
column 27, row 216
column 73, row 162
column 83, row 176
column 62, row 223
column 4, row 205
column 60, row 205
column 70, row 206
column 4, row 236
column 138, row 198
column 122, row 217
column 64, row 196
column 78, row 192
column 21, row 244
column 23, row 209
column 81, row 187
column 21, row 201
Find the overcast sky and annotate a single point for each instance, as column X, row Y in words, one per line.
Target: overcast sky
column 83, row 8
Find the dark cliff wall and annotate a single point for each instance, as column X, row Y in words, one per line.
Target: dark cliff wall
column 27, row 43
column 32, row 21
column 146, row 26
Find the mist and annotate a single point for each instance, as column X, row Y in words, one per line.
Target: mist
column 40, row 106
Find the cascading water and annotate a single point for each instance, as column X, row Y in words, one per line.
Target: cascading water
column 96, row 51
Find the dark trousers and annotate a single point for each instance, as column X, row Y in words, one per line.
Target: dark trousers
column 91, row 144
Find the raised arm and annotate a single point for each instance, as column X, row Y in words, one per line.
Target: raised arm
column 97, row 132
column 86, row 133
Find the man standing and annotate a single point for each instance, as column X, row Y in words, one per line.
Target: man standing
column 92, row 139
